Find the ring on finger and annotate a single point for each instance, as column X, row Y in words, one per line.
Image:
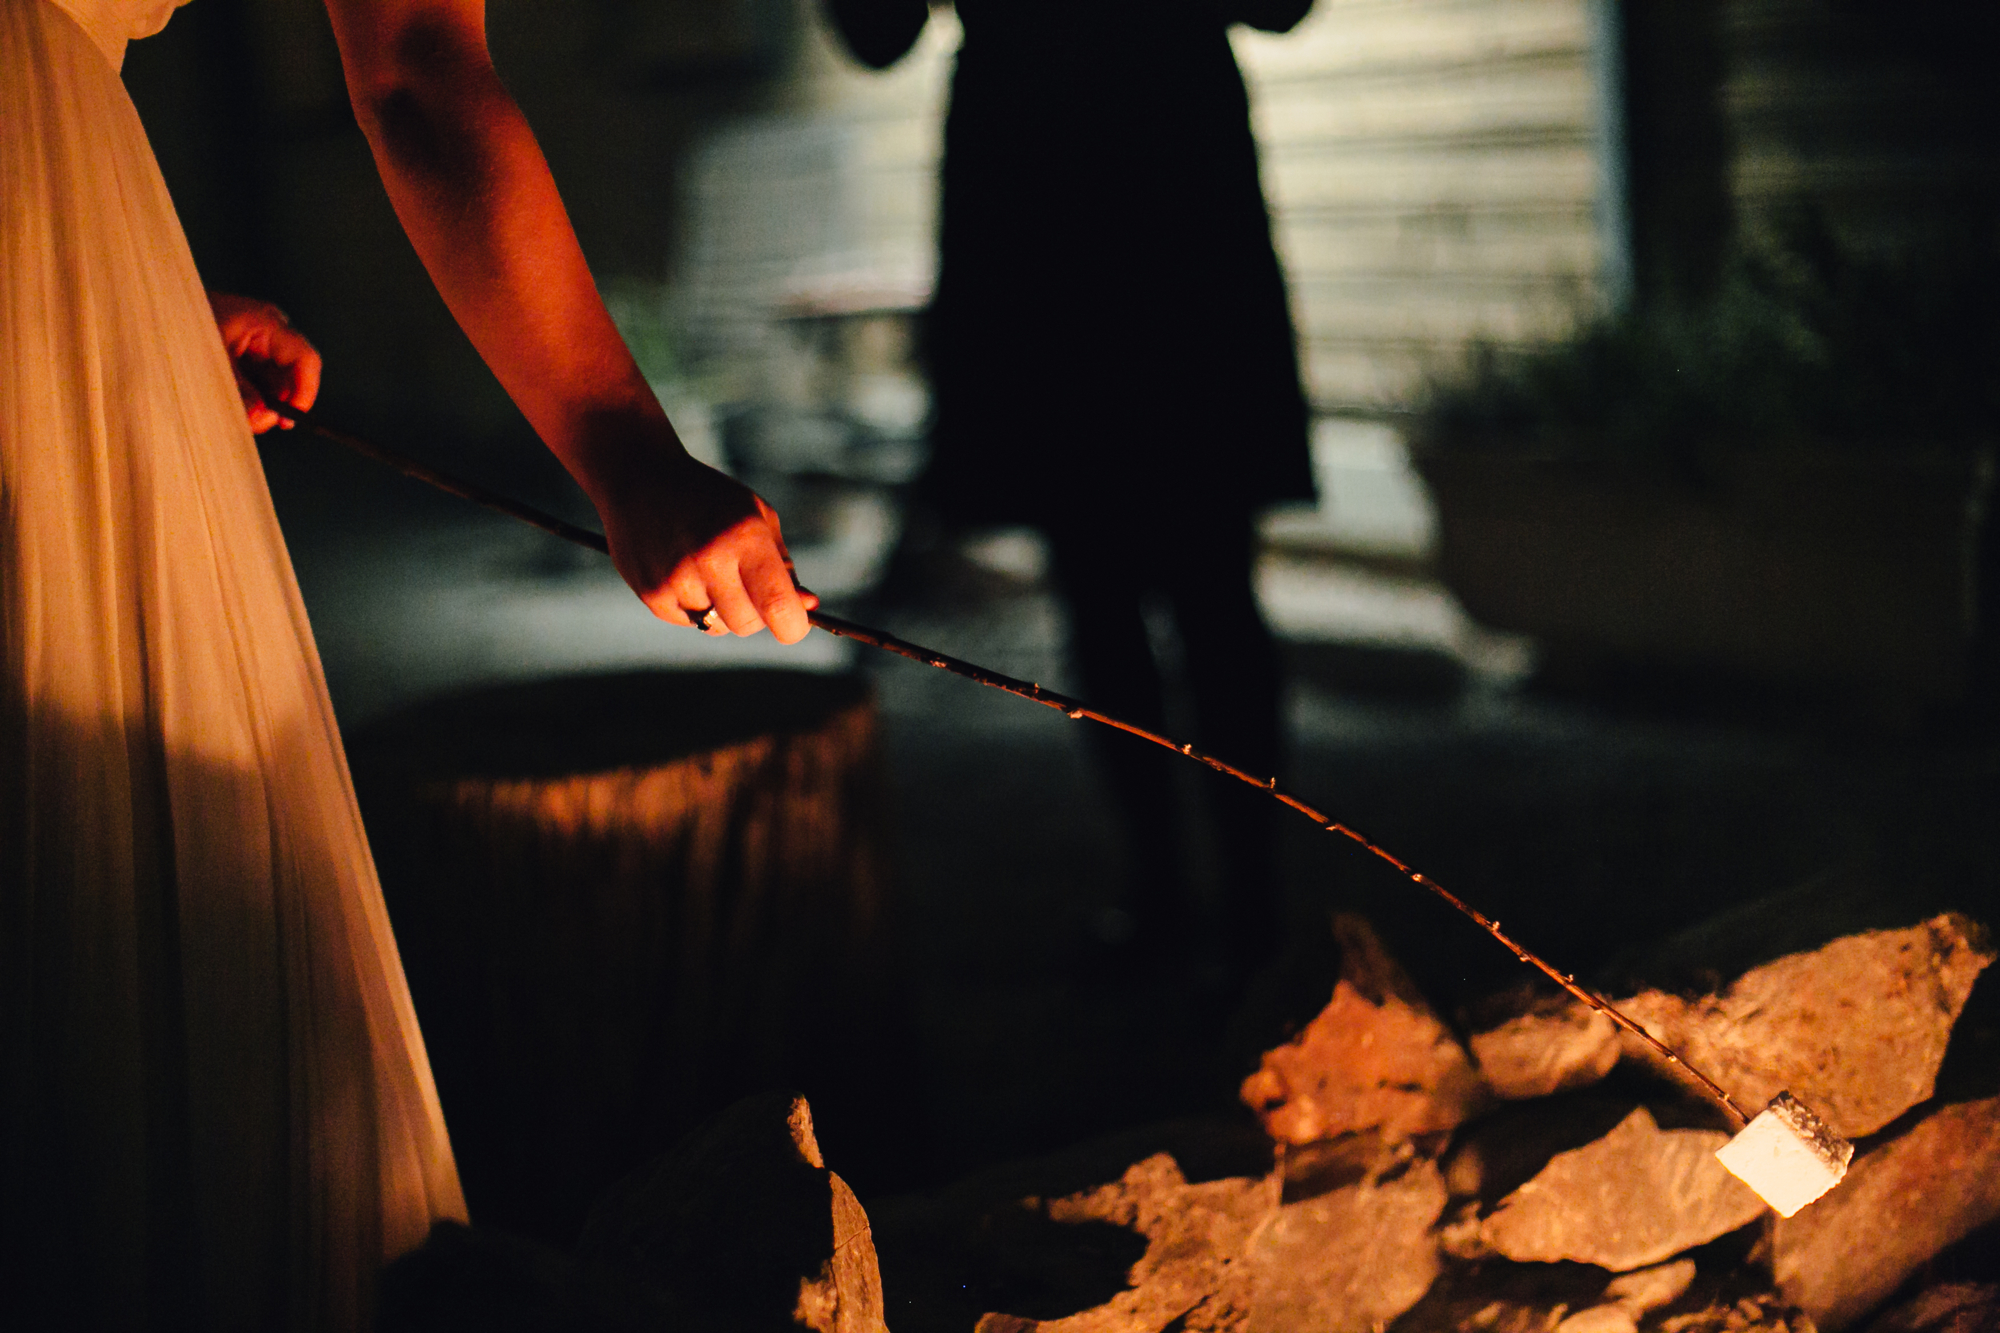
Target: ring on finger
column 705, row 619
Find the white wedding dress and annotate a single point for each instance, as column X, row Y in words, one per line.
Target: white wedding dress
column 215, row 1108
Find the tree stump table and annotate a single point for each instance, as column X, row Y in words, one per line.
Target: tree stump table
column 623, row 901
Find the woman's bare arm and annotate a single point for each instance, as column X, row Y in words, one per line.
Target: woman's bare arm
column 472, row 190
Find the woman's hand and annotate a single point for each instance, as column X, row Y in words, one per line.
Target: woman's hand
column 265, row 350
column 687, row 538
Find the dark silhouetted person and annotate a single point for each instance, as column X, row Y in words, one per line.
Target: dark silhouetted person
column 1113, row 361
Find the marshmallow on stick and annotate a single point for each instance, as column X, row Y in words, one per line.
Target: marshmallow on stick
column 1788, row 1155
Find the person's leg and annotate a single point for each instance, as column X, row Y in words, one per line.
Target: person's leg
column 1104, row 578
column 1237, row 685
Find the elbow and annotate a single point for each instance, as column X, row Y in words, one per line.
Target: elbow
column 428, row 141
column 401, row 129
column 414, row 81
column 379, row 109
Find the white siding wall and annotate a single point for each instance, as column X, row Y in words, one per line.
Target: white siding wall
column 1821, row 110
column 1431, row 164
column 1433, row 174
column 830, row 197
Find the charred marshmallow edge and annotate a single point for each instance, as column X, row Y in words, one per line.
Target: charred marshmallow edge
column 1788, row 1155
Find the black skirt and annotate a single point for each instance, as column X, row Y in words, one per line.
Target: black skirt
column 1111, row 323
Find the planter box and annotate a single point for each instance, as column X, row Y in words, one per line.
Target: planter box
column 1855, row 567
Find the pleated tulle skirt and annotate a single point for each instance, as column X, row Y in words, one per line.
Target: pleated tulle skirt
column 215, row 1108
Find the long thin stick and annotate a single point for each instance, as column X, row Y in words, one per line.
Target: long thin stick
column 1073, row 708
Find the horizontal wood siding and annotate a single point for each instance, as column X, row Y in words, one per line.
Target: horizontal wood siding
column 830, row 196
column 1431, row 167
column 1881, row 118
column 1433, row 176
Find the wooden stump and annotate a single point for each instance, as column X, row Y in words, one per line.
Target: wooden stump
column 625, row 901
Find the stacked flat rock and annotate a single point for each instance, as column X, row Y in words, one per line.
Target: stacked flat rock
column 1638, row 1196
column 1856, row 1030
column 1376, row 1060
column 1509, row 1183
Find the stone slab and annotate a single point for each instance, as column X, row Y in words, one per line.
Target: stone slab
column 1349, row 1261
column 1636, row 1197
column 1376, row 1059
column 1538, row 1055
column 1855, row 1029
column 1902, row 1202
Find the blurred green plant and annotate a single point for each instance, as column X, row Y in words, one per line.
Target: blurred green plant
column 1803, row 342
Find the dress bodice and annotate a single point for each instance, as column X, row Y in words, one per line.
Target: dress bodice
column 112, row 23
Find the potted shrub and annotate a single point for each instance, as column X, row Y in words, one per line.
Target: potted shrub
column 1785, row 478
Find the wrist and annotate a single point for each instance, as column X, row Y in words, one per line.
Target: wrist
column 610, row 452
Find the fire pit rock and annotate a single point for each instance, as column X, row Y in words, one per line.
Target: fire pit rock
column 1496, row 1296
column 1351, row 1259
column 1376, row 1059
column 1540, row 1053
column 1637, row 1196
column 1405, row 1190
column 1948, row 1307
column 1856, row 1029
column 1229, row 1256
column 1903, row 1201
column 1192, row 1275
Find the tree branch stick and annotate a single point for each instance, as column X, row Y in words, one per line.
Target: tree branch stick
column 1073, row 708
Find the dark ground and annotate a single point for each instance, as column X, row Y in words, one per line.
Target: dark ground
column 1594, row 824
